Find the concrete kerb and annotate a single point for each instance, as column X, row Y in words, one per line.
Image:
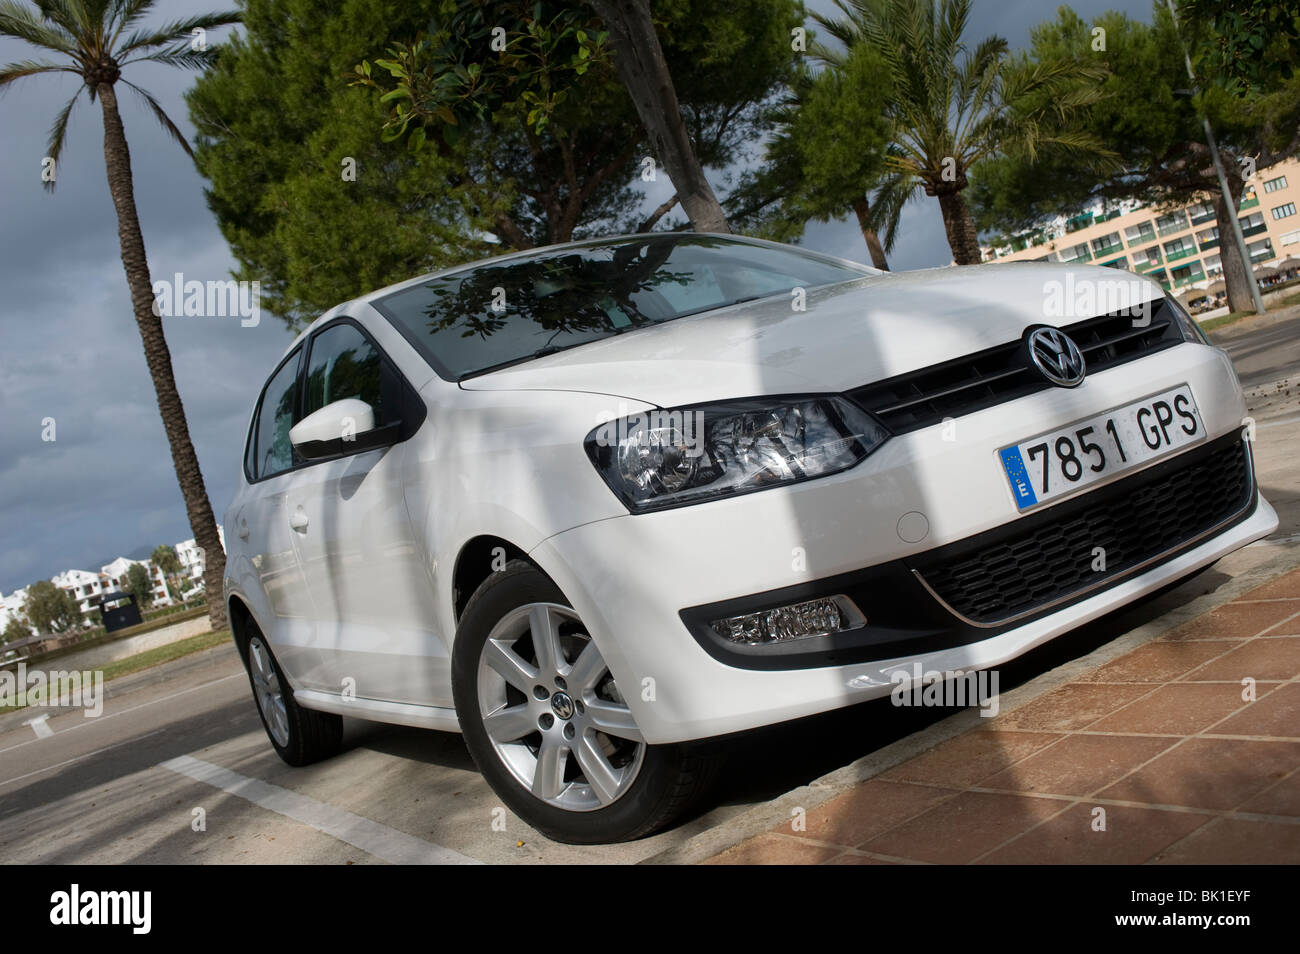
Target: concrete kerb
column 765, row 817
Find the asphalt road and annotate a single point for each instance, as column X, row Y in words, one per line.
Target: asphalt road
column 177, row 769
column 1268, row 353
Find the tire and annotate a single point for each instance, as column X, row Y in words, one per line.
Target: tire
column 300, row 736
column 643, row 787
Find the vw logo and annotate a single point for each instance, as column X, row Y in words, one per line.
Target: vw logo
column 562, row 705
column 1056, row 357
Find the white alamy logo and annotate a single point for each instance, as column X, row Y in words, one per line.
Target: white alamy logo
column 179, row 298
column 75, row 906
column 1089, row 297
column 948, row 687
column 60, row 687
column 655, row 426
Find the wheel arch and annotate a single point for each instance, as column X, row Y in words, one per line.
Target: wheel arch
column 475, row 563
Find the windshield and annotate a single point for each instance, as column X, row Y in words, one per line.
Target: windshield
column 497, row 314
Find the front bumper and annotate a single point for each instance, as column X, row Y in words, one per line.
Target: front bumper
column 646, row 585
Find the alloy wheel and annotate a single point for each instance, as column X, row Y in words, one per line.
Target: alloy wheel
column 552, row 711
column 266, row 689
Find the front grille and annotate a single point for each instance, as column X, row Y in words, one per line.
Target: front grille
column 1045, row 557
column 1002, row 373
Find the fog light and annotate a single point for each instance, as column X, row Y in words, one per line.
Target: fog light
column 819, row 617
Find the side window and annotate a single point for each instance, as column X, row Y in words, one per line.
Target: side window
column 275, row 415
column 344, row 363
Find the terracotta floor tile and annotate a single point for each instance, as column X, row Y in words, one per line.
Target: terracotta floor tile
column 1078, row 765
column 867, row 810
column 769, row 849
column 1072, row 706
column 1276, row 714
column 970, row 757
column 1282, row 799
column 1132, row 836
column 1234, row 841
column 1158, row 662
column 963, row 828
column 1281, row 588
column 1276, row 657
column 1208, row 773
column 1235, row 621
column 849, row 858
column 1175, row 709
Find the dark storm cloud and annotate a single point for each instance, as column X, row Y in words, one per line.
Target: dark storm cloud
column 70, row 350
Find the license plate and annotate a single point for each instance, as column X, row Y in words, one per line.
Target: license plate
column 1061, row 462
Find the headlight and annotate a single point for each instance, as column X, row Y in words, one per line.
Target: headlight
column 1188, row 326
column 667, row 458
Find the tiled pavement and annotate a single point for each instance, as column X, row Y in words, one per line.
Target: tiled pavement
column 1156, row 756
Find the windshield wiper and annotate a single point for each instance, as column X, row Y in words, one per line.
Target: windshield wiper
column 539, row 353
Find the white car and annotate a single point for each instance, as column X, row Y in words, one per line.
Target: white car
column 591, row 504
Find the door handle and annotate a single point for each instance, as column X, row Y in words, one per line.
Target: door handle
column 298, row 521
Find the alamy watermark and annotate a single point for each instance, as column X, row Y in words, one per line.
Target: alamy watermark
column 1089, row 297
column 179, row 298
column 74, row 689
column 949, row 687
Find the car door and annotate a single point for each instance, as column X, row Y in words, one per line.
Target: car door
column 371, row 590
column 260, row 520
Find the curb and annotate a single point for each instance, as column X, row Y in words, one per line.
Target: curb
column 766, row 816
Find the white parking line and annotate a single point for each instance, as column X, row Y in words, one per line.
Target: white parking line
column 370, row 836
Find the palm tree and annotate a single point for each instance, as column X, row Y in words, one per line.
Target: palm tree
column 952, row 106
column 94, row 40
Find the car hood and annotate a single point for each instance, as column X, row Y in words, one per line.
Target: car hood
column 849, row 335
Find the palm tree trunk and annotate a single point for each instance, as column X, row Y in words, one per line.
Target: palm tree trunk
column 117, row 159
column 876, row 250
column 957, row 222
column 1236, row 272
column 639, row 59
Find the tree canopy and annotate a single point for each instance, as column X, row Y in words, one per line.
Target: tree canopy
column 540, row 148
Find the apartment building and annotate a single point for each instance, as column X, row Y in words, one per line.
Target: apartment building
column 113, row 576
column 85, row 587
column 192, row 560
column 1178, row 247
column 11, row 606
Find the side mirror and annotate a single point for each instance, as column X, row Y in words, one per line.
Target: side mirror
column 346, row 426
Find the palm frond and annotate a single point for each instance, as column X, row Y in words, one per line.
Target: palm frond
column 171, row 33
column 58, row 132
column 20, row 22
column 182, row 54
column 16, row 71
column 163, row 119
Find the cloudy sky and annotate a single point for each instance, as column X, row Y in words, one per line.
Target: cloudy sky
column 105, row 486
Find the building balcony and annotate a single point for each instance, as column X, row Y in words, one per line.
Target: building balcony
column 1203, row 218
column 1249, row 204
column 1209, row 244
column 1107, row 250
column 1254, row 230
column 1143, row 267
column 1189, row 279
column 1178, row 253
column 1173, row 229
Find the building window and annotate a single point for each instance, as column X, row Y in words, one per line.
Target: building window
column 1291, row 238
column 1260, row 250
column 1139, row 233
column 1272, row 185
column 1282, row 211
